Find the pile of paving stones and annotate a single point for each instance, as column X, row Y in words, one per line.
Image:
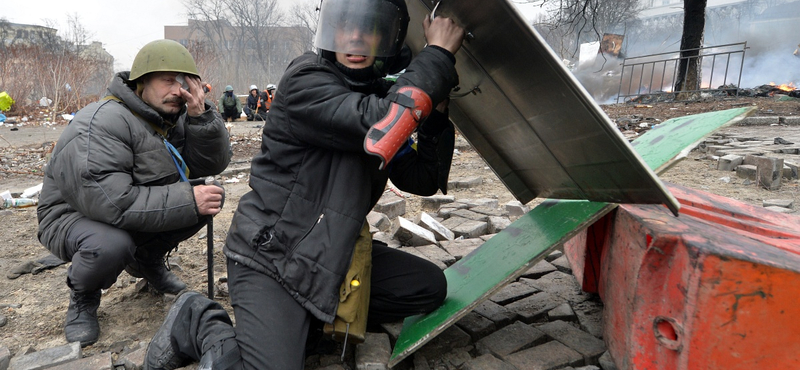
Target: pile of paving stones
column 540, row 321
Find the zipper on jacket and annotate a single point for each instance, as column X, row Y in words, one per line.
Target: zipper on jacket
column 319, row 219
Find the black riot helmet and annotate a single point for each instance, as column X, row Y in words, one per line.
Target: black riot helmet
column 385, row 21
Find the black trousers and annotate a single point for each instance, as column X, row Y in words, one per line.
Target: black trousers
column 229, row 113
column 272, row 328
column 99, row 252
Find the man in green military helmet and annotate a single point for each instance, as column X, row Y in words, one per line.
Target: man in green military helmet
column 116, row 193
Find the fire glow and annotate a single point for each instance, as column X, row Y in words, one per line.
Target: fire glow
column 784, row 87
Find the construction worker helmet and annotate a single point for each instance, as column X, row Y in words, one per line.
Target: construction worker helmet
column 386, row 20
column 228, row 88
column 163, row 56
column 253, row 87
column 271, row 87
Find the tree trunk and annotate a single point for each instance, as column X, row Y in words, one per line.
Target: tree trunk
column 694, row 20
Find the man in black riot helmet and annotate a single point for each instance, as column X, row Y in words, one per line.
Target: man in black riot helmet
column 334, row 136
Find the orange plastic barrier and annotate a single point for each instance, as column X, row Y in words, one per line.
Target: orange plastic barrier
column 716, row 288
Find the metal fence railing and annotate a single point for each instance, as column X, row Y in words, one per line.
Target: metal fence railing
column 656, row 74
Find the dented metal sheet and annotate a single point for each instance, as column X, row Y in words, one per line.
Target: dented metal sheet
column 530, row 119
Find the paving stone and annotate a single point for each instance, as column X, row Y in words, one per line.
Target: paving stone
column 487, row 362
column 497, row 224
column 451, row 338
column 590, row 316
column 607, row 362
column 535, row 308
column 560, row 284
column 475, row 325
column 562, row 312
column 391, row 205
column 393, row 329
column 554, row 255
column 456, row 358
column 453, row 222
column 513, row 292
column 465, row 182
column 486, row 237
column 769, row 172
column 47, row 357
column 440, row 232
column 498, row 314
column 746, row 171
column 421, row 362
column 584, row 343
column 540, row 269
column 481, row 202
column 490, row 211
column 779, row 209
column 374, row 353
column 729, row 162
column 434, row 253
column 516, row 209
column 333, row 367
column 418, row 253
column 470, row 229
column 793, row 167
column 788, row 173
column 549, row 356
column 469, row 215
column 100, row 361
column 379, row 220
column 510, row 339
column 435, row 202
column 412, row 234
column 562, row 264
column 785, row 203
column 461, row 247
column 132, row 360
column 717, row 149
column 5, row 357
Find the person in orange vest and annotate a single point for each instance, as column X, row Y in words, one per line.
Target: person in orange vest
column 267, row 96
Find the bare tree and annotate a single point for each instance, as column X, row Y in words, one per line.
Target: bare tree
column 580, row 21
column 241, row 32
column 694, row 20
column 305, row 14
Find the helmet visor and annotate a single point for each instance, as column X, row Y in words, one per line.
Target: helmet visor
column 359, row 27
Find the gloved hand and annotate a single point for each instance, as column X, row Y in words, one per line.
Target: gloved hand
column 436, row 123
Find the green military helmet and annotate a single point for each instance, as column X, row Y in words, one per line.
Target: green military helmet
column 163, row 56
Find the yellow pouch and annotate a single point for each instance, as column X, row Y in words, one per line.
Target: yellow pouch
column 350, row 324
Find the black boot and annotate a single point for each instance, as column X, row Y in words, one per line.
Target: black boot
column 81, row 324
column 196, row 329
column 151, row 266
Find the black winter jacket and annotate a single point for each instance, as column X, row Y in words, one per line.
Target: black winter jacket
column 313, row 184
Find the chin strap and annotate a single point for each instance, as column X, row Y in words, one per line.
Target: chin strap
column 410, row 105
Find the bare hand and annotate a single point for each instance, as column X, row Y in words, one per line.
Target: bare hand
column 195, row 97
column 208, row 198
column 443, row 32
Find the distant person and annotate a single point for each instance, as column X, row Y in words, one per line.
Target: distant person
column 266, row 97
column 229, row 105
column 253, row 108
column 116, row 194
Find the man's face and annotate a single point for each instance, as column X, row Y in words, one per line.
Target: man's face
column 253, row 92
column 162, row 92
column 359, row 44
